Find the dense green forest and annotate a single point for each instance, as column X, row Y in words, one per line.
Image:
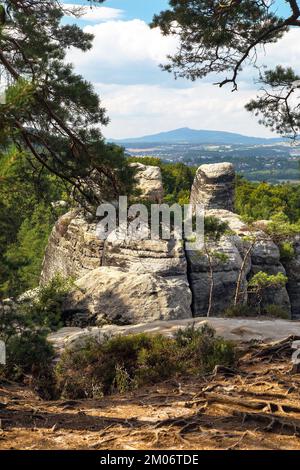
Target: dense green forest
column 50, row 136
column 29, row 209
column 264, row 200
column 27, row 215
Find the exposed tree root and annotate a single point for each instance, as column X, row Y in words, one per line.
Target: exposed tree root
column 272, row 423
column 256, row 406
column 277, row 349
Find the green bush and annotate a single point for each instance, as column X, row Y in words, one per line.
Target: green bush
column 275, row 311
column 159, row 361
column 241, row 310
column 125, row 363
column 45, row 309
column 26, row 218
column 261, row 282
column 287, row 251
column 201, row 350
column 261, row 201
column 30, row 357
column 28, row 353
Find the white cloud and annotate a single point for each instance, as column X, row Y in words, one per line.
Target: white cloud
column 95, row 13
column 124, row 66
column 137, row 110
column 118, row 43
column 285, row 52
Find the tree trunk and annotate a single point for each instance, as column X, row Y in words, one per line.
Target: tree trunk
column 239, row 281
column 212, row 285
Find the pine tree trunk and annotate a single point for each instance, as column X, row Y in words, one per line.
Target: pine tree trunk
column 239, row 281
column 212, row 285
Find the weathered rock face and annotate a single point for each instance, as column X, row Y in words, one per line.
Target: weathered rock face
column 113, row 295
column 73, row 248
column 293, row 287
column 126, row 281
column 139, row 280
column 213, row 186
column 265, row 256
column 149, row 182
column 226, row 264
column 160, row 257
column 233, row 329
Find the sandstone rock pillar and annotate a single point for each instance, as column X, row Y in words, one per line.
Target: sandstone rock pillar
column 214, row 186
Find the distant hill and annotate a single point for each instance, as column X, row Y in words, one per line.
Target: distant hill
column 192, row 136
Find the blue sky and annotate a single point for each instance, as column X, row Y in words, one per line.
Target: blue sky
column 142, row 99
column 143, row 9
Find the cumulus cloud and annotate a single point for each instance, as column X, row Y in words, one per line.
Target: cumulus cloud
column 121, row 44
column 137, row 110
column 130, row 52
column 285, row 52
column 94, row 14
column 141, row 99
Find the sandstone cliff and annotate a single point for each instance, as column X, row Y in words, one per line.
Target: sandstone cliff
column 127, row 281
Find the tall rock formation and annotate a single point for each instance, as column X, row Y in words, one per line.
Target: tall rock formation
column 127, row 281
column 119, row 281
column 213, row 186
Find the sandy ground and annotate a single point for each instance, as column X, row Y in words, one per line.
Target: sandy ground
column 255, row 406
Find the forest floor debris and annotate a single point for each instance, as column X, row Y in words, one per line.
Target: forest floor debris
column 255, row 406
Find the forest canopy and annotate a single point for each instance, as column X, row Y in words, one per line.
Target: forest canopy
column 50, row 111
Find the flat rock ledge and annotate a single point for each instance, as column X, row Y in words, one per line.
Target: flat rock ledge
column 238, row 329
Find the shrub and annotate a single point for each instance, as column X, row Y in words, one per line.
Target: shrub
column 45, row 310
column 201, row 350
column 244, row 310
column 118, row 364
column 275, row 311
column 30, row 356
column 287, row 251
column 241, row 310
column 261, row 282
column 125, row 363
